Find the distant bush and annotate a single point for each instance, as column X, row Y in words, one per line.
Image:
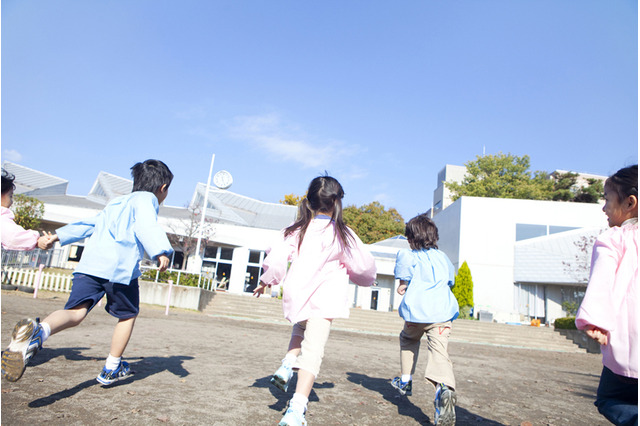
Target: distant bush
column 567, row 323
column 186, row 279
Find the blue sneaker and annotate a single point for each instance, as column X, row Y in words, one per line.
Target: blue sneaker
column 293, row 418
column 445, row 404
column 26, row 341
column 403, row 387
column 106, row 377
column 282, row 376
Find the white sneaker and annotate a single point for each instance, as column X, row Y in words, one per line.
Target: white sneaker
column 282, row 376
column 293, row 418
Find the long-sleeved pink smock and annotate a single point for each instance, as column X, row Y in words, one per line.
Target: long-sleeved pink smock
column 316, row 283
column 610, row 302
column 14, row 236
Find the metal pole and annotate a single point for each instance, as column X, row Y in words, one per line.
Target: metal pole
column 204, row 210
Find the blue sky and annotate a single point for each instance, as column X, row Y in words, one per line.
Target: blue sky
column 380, row 94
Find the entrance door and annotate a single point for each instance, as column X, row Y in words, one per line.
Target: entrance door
column 374, row 300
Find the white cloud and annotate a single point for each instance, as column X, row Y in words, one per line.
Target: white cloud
column 287, row 141
column 11, row 155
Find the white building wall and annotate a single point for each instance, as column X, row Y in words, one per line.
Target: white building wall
column 482, row 232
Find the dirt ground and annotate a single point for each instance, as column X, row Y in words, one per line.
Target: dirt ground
column 191, row 369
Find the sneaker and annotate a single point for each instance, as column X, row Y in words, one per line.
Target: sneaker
column 26, row 341
column 106, row 377
column 293, row 418
column 445, row 404
column 403, row 387
column 282, row 376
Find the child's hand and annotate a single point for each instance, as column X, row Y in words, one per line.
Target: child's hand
column 163, row 263
column 259, row 289
column 402, row 288
column 597, row 334
column 45, row 242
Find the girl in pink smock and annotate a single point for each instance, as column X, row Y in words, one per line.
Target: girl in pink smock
column 314, row 260
column 608, row 313
column 14, row 236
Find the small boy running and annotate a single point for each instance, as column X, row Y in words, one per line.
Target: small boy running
column 428, row 306
column 117, row 239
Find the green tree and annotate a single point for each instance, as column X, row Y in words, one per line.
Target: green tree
column 563, row 186
column 463, row 290
column 372, row 222
column 502, row 176
column 592, row 193
column 28, row 211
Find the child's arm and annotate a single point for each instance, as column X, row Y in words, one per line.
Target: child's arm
column 361, row 266
column 45, row 242
column 147, row 229
column 15, row 237
column 76, row 231
column 402, row 288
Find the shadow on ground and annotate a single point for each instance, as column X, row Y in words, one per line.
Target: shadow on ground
column 405, row 406
column 140, row 369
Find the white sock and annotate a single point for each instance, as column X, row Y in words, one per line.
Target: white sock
column 112, row 362
column 46, row 331
column 405, row 378
column 299, row 402
column 289, row 359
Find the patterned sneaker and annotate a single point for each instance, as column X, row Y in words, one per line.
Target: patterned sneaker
column 293, row 418
column 282, row 376
column 26, row 341
column 107, row 377
column 403, row 387
column 445, row 404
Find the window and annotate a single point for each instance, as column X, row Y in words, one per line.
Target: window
column 75, row 253
column 217, row 264
column 526, row 231
column 558, row 229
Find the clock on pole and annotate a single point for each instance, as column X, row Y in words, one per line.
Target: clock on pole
column 222, row 179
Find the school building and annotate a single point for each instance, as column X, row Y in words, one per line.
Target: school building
column 527, row 257
column 237, row 232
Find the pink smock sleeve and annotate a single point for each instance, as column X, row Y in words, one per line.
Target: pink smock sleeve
column 610, row 302
column 276, row 263
column 361, row 266
column 14, row 236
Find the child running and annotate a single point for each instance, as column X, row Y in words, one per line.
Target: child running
column 117, row 240
column 323, row 254
column 428, row 306
column 14, row 236
column 608, row 313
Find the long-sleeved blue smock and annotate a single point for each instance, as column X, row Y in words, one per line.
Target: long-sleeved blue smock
column 118, row 237
column 428, row 298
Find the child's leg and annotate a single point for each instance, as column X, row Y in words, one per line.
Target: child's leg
column 121, row 336
column 284, row 373
column 617, row 398
column 66, row 318
column 410, row 347
column 439, row 366
column 316, row 335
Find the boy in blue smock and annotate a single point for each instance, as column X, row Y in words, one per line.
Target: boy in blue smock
column 117, row 239
column 426, row 276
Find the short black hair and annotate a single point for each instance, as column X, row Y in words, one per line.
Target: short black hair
column 150, row 176
column 7, row 181
column 421, row 232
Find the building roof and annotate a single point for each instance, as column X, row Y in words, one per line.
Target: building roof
column 108, row 186
column 237, row 209
column 32, row 182
column 399, row 241
column 562, row 258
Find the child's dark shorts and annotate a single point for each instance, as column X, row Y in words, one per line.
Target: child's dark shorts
column 123, row 301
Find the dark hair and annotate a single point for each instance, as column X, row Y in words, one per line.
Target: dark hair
column 421, row 232
column 324, row 195
column 624, row 182
column 7, row 181
column 150, row 176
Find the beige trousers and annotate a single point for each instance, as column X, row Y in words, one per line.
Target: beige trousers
column 439, row 367
column 316, row 333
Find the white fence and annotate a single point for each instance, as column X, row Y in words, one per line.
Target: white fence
column 28, row 277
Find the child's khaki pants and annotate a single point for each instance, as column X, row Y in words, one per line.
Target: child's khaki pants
column 439, row 367
column 316, row 333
